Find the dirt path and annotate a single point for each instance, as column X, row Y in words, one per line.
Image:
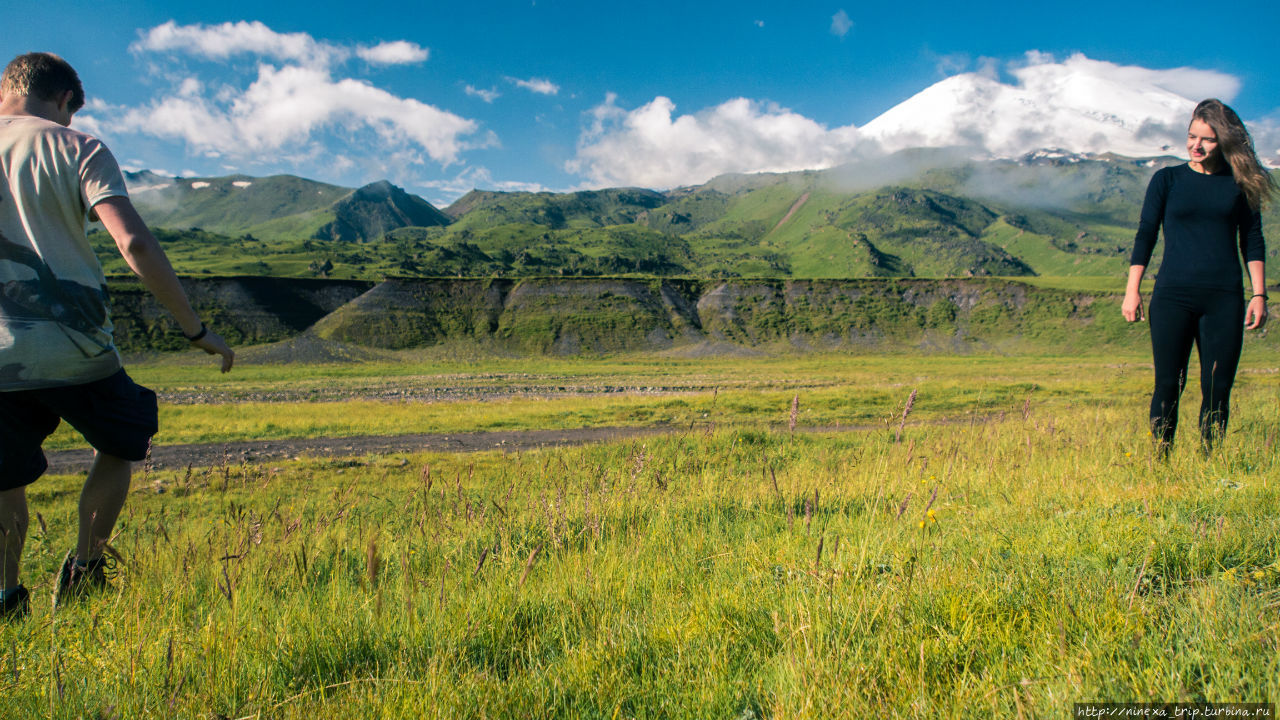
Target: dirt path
column 402, row 391
column 803, row 199
column 180, row 456
column 257, row 451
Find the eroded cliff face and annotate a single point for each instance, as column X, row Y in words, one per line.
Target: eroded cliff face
column 245, row 310
column 569, row 316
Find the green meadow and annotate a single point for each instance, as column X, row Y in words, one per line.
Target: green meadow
column 1006, row 548
column 544, row 393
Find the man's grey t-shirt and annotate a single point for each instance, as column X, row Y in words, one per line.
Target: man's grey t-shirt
column 54, row 328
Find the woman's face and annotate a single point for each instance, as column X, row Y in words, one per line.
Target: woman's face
column 1202, row 143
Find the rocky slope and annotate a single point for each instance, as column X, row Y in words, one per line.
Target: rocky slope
column 569, row 316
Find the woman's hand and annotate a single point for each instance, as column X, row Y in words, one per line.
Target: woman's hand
column 1256, row 314
column 1132, row 307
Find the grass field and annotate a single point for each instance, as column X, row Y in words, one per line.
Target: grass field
column 1020, row 552
column 519, row 394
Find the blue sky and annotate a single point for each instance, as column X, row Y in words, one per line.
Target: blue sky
column 440, row 97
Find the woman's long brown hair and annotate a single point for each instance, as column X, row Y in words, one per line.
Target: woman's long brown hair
column 1237, row 148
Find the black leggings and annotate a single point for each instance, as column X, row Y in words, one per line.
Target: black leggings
column 1214, row 321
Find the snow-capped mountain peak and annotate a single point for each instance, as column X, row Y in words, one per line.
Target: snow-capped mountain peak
column 1078, row 106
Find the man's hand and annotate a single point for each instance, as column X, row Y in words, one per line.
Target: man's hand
column 213, row 344
column 146, row 258
column 1132, row 307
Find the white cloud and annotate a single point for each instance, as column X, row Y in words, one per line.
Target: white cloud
column 841, row 24
column 447, row 190
column 541, row 86
column 486, row 95
column 286, row 108
column 952, row 63
column 397, row 52
column 651, row 148
column 295, row 108
column 1190, row 83
column 988, row 67
column 519, row 186
column 221, row 42
column 86, row 121
column 1266, row 139
column 458, row 185
column 1078, row 104
column 227, row 40
column 184, row 114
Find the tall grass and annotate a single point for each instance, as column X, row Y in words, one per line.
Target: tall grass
column 1005, row 565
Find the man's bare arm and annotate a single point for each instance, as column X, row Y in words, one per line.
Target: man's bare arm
column 146, row 258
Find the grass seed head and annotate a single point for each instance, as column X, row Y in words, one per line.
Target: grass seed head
column 906, row 410
column 373, row 561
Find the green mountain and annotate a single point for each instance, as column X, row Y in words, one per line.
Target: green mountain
column 279, row 208
column 923, row 213
column 586, row 209
column 236, row 204
column 376, row 209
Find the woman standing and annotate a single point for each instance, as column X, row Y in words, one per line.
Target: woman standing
column 1209, row 209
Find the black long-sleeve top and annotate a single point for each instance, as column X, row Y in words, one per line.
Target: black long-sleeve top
column 1208, row 226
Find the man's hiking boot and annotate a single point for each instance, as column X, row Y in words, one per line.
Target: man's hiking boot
column 75, row 580
column 17, row 606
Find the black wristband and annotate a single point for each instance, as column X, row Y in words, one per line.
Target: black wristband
column 204, row 330
column 1264, row 297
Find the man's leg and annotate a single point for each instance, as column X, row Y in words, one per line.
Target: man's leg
column 105, row 491
column 117, row 417
column 13, row 529
column 24, row 424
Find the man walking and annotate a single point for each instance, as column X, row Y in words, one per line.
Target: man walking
column 58, row 360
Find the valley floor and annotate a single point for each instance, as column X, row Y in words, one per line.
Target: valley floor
column 1029, row 556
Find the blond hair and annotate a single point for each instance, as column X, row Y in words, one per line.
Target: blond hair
column 44, row 76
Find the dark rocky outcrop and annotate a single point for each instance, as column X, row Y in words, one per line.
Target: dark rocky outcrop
column 568, row 316
column 245, row 310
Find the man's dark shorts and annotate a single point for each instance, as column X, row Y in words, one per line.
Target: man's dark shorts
column 115, row 415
